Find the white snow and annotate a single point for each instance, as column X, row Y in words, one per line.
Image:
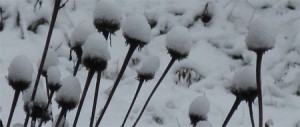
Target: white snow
column 150, row 65
column 204, row 124
column 51, row 59
column 20, row 69
column 40, row 99
column 96, row 47
column 53, row 75
column 244, row 79
column 81, row 32
column 108, row 10
column 261, row 34
column 136, row 27
column 179, row 40
column 70, row 90
column 200, row 106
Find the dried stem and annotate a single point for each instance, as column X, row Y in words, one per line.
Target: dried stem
column 232, row 110
column 54, row 15
column 251, row 113
column 61, row 114
column 152, row 92
column 86, row 87
column 95, row 98
column 33, row 121
column 79, row 59
column 134, row 98
column 125, row 63
column 13, row 106
column 258, row 82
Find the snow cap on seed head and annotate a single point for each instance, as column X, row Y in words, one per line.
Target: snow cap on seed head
column 69, row 93
column 51, row 60
column 96, row 47
column 81, row 33
column 54, row 76
column 20, row 69
column 136, row 28
column 40, row 99
column 108, row 11
column 261, row 36
column 244, row 79
column 178, row 41
column 199, row 109
column 149, row 67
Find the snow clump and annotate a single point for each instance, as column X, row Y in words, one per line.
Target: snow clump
column 69, row 93
column 178, row 41
column 261, row 36
column 149, row 67
column 81, row 33
column 136, row 28
column 20, row 73
column 96, row 47
column 51, row 60
column 244, row 79
column 54, row 75
column 198, row 109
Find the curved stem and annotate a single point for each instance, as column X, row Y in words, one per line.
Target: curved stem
column 54, row 15
column 132, row 103
column 61, row 114
column 153, row 91
column 13, row 106
column 125, row 63
column 86, row 87
column 258, row 82
column 95, row 98
column 251, row 113
column 232, row 110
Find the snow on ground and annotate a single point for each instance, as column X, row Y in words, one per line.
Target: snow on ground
column 219, row 49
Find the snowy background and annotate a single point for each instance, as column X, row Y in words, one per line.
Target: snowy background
column 218, row 50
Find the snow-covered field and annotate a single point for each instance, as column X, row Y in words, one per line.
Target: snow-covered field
column 217, row 52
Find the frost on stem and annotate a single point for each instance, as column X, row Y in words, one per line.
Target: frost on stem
column 149, row 67
column 20, row 73
column 136, row 30
column 198, row 110
column 51, row 60
column 95, row 52
column 261, row 36
column 107, row 17
column 244, row 84
column 36, row 108
column 54, row 75
column 178, row 42
column 69, row 93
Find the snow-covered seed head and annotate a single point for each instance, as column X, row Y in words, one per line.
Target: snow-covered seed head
column 20, row 73
column 198, row 110
column 51, row 60
column 136, row 30
column 244, row 84
column 149, row 67
column 35, row 109
column 204, row 124
column 80, row 34
column 107, row 17
column 54, row 75
column 63, row 122
column 95, row 52
column 178, row 42
column 261, row 36
column 69, row 93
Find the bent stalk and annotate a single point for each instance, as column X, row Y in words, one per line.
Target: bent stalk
column 13, row 106
column 232, row 110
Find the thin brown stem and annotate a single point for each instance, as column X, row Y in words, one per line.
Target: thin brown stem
column 61, row 114
column 95, row 98
column 153, row 91
column 232, row 110
column 51, row 27
column 125, row 63
column 258, row 82
column 13, row 106
column 132, row 103
column 251, row 113
column 86, row 87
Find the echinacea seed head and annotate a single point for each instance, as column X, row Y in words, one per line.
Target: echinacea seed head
column 94, row 63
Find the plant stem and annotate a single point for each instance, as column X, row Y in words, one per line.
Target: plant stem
column 152, row 92
column 54, row 15
column 46, row 108
column 79, row 59
column 47, row 87
column 33, row 121
column 95, row 98
column 61, row 114
column 86, row 87
column 125, row 63
column 232, row 110
column 258, row 82
column 251, row 113
column 41, row 123
column 13, row 106
column 134, row 98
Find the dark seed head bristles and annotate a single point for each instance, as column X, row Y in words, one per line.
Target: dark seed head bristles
column 196, row 118
column 132, row 41
column 67, row 104
column 145, row 77
column 78, row 50
column 54, row 87
column 177, row 55
column 19, row 85
column 248, row 95
column 92, row 63
column 106, row 26
column 37, row 110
